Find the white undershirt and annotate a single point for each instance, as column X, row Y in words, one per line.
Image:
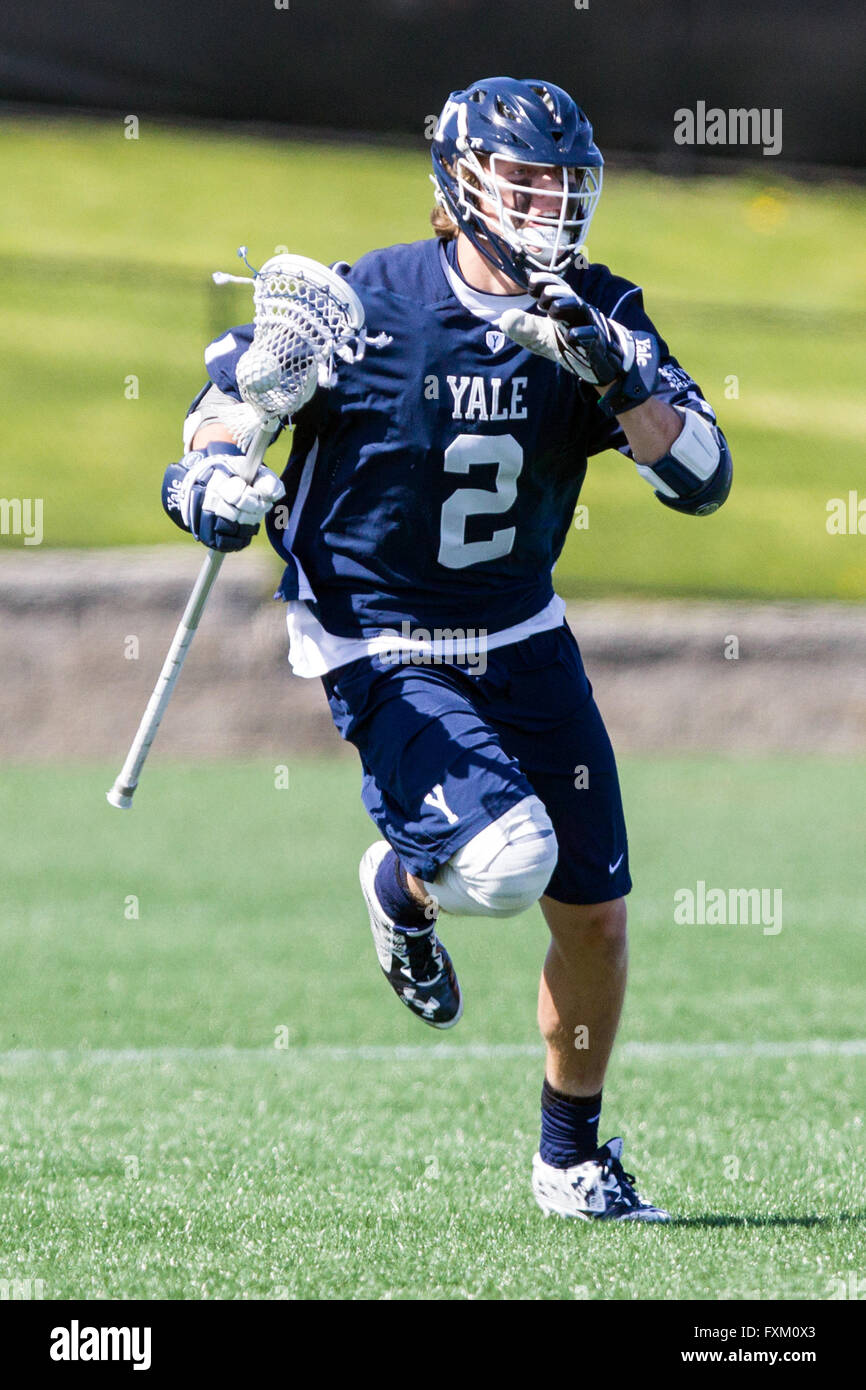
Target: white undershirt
column 489, row 307
column 313, row 650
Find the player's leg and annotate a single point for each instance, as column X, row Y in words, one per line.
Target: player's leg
column 551, row 724
column 462, row 828
column 500, row 871
column 581, row 992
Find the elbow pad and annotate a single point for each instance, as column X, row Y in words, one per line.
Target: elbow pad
column 695, row 477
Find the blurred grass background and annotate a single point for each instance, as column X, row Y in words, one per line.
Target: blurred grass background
column 106, row 247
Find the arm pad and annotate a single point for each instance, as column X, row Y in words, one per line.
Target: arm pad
column 695, row 477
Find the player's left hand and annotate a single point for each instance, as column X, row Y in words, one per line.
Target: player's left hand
column 205, row 496
column 224, row 511
column 571, row 333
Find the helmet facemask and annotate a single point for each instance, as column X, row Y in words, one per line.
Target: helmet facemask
column 544, row 226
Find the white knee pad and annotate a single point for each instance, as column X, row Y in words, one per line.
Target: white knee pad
column 504, row 869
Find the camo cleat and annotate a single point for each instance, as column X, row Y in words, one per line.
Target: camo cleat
column 413, row 959
column 598, row 1189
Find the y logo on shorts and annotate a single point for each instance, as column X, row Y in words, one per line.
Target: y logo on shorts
column 436, row 798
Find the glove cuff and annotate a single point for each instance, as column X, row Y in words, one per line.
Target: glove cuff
column 220, row 446
column 173, row 490
column 639, row 381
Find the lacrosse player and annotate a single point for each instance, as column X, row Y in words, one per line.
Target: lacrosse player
column 428, row 496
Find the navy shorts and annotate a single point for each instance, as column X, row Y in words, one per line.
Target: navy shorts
column 446, row 750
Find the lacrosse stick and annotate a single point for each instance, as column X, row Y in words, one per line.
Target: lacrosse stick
column 305, row 317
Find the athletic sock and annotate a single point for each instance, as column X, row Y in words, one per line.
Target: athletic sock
column 569, row 1127
column 392, row 890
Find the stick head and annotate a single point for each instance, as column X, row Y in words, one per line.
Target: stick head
column 305, row 316
column 312, row 296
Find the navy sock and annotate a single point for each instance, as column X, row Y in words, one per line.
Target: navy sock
column 392, row 890
column 569, row 1127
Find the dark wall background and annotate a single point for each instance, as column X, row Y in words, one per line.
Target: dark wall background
column 383, row 65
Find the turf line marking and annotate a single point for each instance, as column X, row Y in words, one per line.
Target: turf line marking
column 415, row 1052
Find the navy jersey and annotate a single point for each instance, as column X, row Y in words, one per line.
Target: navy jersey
column 437, row 480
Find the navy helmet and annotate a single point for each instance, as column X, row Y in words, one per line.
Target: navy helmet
column 519, row 224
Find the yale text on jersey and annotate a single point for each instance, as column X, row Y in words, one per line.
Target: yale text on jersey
column 477, row 398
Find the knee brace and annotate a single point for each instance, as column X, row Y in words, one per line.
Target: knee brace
column 503, row 869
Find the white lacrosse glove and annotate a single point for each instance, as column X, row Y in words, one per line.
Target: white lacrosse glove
column 204, row 495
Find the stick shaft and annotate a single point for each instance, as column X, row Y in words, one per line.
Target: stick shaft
column 127, row 779
column 125, row 783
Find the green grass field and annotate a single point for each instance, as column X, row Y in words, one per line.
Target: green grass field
column 157, row 1144
column 756, row 279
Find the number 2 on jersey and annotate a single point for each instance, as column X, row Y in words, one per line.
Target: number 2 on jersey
column 464, row 453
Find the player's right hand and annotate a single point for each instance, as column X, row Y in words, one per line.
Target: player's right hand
column 570, row 332
column 203, row 494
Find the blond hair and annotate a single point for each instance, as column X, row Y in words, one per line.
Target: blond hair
column 443, row 223
column 441, row 219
